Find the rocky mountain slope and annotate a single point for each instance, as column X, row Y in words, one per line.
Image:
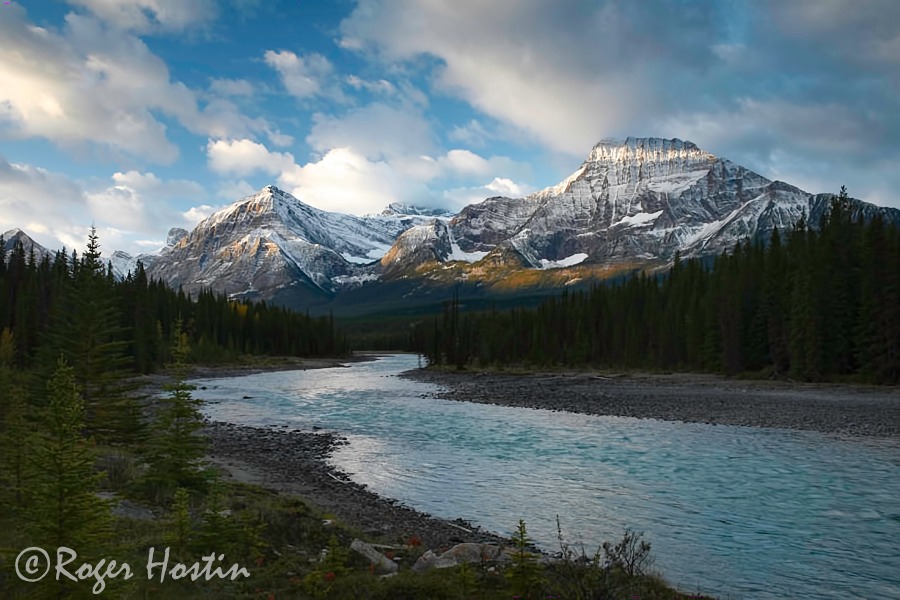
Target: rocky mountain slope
column 14, row 236
column 635, row 201
column 270, row 245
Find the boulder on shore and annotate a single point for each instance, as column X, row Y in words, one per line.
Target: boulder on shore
column 380, row 561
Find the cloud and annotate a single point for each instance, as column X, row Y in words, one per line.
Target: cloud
column 457, row 198
column 232, row 87
column 381, row 86
column 147, row 16
column 472, row 134
column 530, row 64
column 376, row 131
column 864, row 32
column 62, row 204
column 344, row 179
column 232, row 190
column 244, row 157
column 148, row 183
column 90, row 84
column 141, row 203
column 304, row 76
column 816, row 82
column 131, row 207
column 195, row 214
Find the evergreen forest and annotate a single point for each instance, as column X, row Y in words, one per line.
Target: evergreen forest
column 807, row 304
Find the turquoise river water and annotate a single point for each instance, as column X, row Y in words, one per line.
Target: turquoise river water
column 738, row 512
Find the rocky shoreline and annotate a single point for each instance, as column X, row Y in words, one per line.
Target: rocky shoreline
column 695, row 398
column 295, row 462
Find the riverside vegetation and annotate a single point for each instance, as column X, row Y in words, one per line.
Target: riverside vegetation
column 87, row 464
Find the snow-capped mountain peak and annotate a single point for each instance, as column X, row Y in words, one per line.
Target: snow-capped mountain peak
column 636, row 200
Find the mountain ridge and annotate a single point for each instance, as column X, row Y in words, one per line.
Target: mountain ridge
column 631, row 204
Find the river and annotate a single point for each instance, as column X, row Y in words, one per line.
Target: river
column 738, row 512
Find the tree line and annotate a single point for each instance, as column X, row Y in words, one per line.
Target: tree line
column 811, row 303
column 46, row 302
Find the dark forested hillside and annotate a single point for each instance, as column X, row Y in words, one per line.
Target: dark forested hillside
column 813, row 305
column 69, row 302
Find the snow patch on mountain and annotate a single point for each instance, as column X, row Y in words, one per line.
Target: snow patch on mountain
column 569, row 261
column 638, row 219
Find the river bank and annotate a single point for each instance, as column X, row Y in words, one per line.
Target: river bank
column 675, row 495
column 693, row 398
column 295, row 462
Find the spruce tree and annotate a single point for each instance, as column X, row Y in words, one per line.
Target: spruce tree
column 16, row 430
column 176, row 448
column 63, row 507
column 87, row 332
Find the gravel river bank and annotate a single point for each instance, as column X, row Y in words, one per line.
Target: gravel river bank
column 692, row 398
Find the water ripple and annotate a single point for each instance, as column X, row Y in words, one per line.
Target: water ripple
column 746, row 512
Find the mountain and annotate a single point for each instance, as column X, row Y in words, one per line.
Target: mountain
column 124, row 263
column 271, row 245
column 631, row 203
column 397, row 209
column 14, row 236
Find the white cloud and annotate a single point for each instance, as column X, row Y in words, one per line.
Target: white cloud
column 381, row 86
column 121, row 206
column 304, row 76
column 522, row 63
column 376, row 131
column 508, row 187
column 59, row 221
column 232, row 190
column 92, row 84
column 457, row 198
column 141, row 203
column 151, row 15
column 195, row 214
column 58, row 211
column 150, row 184
column 472, row 133
column 279, row 139
column 245, row 157
column 344, row 179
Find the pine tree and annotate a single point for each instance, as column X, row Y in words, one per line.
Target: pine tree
column 88, row 334
column 176, row 448
column 16, row 430
column 63, row 507
column 525, row 572
column 179, row 525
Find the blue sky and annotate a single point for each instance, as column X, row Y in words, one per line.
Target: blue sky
column 140, row 115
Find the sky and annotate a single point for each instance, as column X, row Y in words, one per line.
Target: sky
column 140, row 115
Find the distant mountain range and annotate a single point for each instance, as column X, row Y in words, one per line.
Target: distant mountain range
column 631, row 205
